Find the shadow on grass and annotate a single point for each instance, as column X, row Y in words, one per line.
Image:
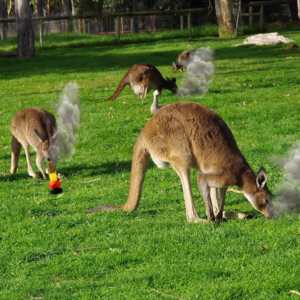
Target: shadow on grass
column 79, row 170
column 105, row 58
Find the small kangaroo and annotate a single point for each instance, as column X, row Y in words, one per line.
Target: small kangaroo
column 184, row 58
column 37, row 128
column 142, row 78
column 189, row 135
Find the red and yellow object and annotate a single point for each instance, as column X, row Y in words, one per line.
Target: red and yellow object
column 54, row 181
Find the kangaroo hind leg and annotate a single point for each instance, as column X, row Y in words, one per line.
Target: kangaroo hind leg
column 15, row 153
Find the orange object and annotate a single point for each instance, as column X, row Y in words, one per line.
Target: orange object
column 54, row 184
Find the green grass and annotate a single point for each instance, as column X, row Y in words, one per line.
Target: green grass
column 72, row 40
column 42, row 235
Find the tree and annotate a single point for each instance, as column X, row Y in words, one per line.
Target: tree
column 25, row 30
column 3, row 14
column 298, row 4
column 40, row 7
column 89, row 6
column 225, row 18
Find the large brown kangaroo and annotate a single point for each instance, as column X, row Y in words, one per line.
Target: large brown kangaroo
column 184, row 58
column 37, row 128
column 189, row 135
column 142, row 78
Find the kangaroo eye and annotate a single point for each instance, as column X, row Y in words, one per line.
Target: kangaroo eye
column 267, row 201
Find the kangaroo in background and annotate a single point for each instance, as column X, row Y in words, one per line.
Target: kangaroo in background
column 189, row 135
column 142, row 78
column 37, row 128
column 184, row 58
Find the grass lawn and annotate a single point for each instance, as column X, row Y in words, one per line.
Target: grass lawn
column 49, row 249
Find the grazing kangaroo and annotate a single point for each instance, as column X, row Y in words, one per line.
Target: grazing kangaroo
column 37, row 128
column 184, row 58
column 142, row 78
column 189, row 135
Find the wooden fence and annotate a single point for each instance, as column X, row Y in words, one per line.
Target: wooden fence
column 261, row 4
column 116, row 20
column 85, row 20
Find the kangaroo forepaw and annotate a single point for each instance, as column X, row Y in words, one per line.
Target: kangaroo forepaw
column 198, row 220
column 230, row 215
column 101, row 207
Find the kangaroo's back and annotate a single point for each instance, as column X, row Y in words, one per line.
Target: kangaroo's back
column 28, row 120
column 197, row 132
column 185, row 56
column 144, row 74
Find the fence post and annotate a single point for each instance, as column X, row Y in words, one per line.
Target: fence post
column 181, row 22
column 153, row 22
column 79, row 26
column 89, row 26
column 41, row 33
column 83, row 26
column 122, row 25
column 250, row 16
column 189, row 25
column 261, row 21
column 118, row 29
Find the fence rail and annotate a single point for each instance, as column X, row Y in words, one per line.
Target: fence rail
column 113, row 15
column 117, row 23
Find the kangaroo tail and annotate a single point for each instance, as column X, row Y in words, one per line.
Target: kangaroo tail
column 119, row 89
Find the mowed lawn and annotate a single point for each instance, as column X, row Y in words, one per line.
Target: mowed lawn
column 50, row 249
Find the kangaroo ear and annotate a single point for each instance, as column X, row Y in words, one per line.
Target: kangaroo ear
column 40, row 136
column 168, row 79
column 56, row 134
column 174, row 64
column 261, row 178
column 173, row 80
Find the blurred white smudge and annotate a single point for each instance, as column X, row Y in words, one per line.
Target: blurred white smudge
column 199, row 71
column 289, row 197
column 68, row 111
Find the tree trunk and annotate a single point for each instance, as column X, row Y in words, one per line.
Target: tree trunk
column 225, row 18
column 66, row 8
column 3, row 14
column 25, row 31
column 40, row 7
column 298, row 4
column 11, row 11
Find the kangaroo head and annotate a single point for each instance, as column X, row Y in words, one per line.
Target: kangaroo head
column 261, row 198
column 172, row 86
column 46, row 144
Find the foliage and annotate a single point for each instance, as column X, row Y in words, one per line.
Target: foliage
column 89, row 6
column 50, row 249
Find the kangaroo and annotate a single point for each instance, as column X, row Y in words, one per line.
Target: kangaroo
column 184, row 58
column 37, row 128
column 142, row 78
column 189, row 135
